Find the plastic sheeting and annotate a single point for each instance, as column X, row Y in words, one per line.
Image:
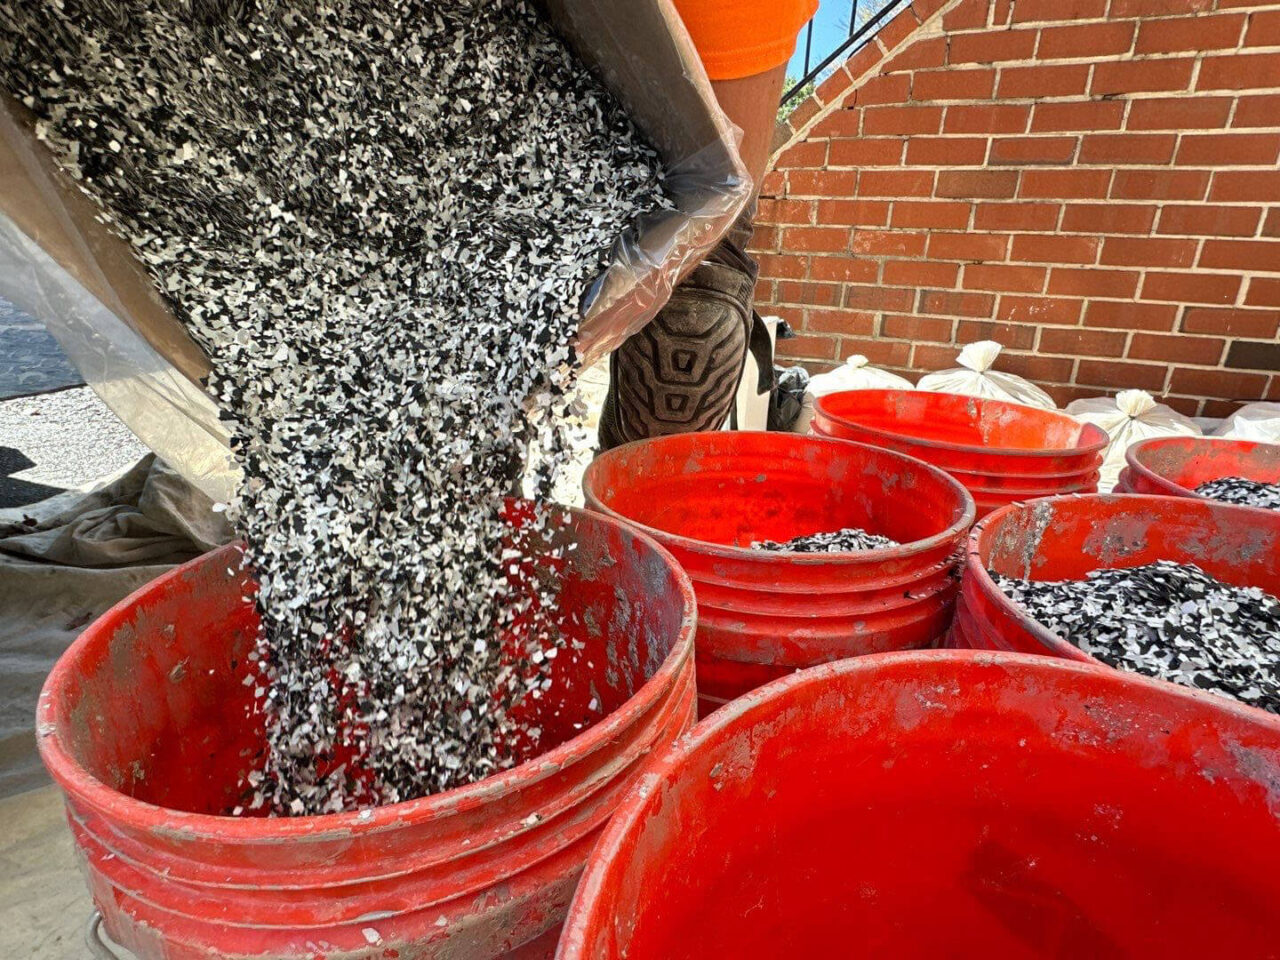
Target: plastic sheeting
column 60, row 265
column 856, row 373
column 1254, row 421
column 975, row 378
column 1128, row 417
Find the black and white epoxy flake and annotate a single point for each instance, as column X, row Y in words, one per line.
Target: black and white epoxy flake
column 846, row 540
column 1238, row 490
column 378, row 220
column 1166, row 620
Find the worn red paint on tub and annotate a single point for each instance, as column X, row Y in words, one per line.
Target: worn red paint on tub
column 1175, row 466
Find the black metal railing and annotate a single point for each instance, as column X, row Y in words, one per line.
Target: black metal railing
column 865, row 18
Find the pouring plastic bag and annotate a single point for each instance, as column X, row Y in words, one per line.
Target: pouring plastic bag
column 1130, row 416
column 1254, row 421
column 856, row 373
column 975, row 378
column 60, row 265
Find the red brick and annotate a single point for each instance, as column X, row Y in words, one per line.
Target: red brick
column 927, row 357
column 1127, row 148
column 802, row 114
column 1091, row 40
column 1118, row 315
column 1218, row 409
column 1263, row 292
column 820, row 348
column 1118, row 374
column 1015, row 216
column 965, row 15
column 936, row 329
column 955, row 303
column 1053, row 248
column 1108, row 218
column 1082, row 343
column 1041, row 11
column 987, row 118
column 865, row 152
column 1271, row 227
column 1229, row 149
column 1264, row 29
column 1147, row 252
column 1239, row 72
column 766, row 237
column 821, row 183
column 901, row 121
column 1176, row 348
column 1217, row 383
column 815, row 239
column 927, row 8
column 920, row 273
column 845, row 322
column 782, row 266
column 1093, row 282
column 1158, row 8
column 839, row 123
column 895, row 88
column 811, row 154
column 785, row 211
column 892, row 243
column 878, row 298
column 774, row 184
column 946, row 151
column 1160, row 184
column 992, row 46
column 1191, row 287
column 883, row 353
column 1003, row 278
column 935, row 214
column 990, row 184
column 1038, row 310
column 864, row 62
column 1189, row 33
column 1038, row 368
column 836, row 87
column 968, row 246
column 1065, row 184
column 853, row 213
column 1001, row 12
column 921, row 55
column 1249, row 186
column 901, row 26
column 1014, row 336
column 1179, row 113
column 1250, row 255
column 953, row 84
column 843, row 269
column 1257, row 324
column 1091, row 115
column 1030, row 150
column 764, row 291
column 819, row 294
column 1140, row 76
column 1258, row 111
column 896, row 183
column 1042, row 81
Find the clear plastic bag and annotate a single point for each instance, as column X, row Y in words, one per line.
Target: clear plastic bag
column 1129, row 416
column 975, row 378
column 59, row 264
column 1253, row 421
column 855, row 373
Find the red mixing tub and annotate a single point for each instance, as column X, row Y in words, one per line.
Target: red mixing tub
column 1175, row 466
column 1002, row 452
column 707, row 496
column 1066, row 538
column 143, row 725
column 947, row 804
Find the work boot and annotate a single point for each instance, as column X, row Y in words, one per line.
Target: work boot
column 680, row 373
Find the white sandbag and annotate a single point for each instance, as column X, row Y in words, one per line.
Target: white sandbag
column 854, row 374
column 1253, row 421
column 1129, row 416
column 975, row 378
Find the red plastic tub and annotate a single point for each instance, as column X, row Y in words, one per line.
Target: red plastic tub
column 1068, row 537
column 1175, row 466
column 143, row 725
column 706, row 497
column 947, row 804
column 1002, row 452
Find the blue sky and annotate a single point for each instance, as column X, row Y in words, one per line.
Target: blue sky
column 830, row 29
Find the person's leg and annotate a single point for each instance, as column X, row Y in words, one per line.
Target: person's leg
column 752, row 104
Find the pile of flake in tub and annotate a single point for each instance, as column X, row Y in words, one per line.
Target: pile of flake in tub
column 1166, row 620
column 1249, row 493
column 846, row 540
column 378, row 219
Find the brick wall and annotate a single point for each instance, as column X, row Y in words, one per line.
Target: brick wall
column 1094, row 183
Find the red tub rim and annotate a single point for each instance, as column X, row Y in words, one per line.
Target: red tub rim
column 632, row 808
column 1140, row 469
column 728, row 552
column 1089, row 429
column 78, row 782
